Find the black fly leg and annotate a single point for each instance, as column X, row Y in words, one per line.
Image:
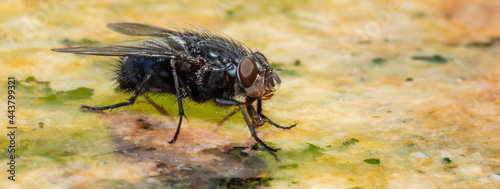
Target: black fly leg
column 228, row 102
column 179, row 102
column 129, row 102
column 257, row 120
column 259, row 111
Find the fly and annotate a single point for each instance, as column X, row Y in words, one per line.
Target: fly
column 196, row 64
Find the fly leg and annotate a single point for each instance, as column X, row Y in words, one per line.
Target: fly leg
column 219, row 124
column 129, row 102
column 179, row 102
column 259, row 111
column 229, row 102
column 257, row 120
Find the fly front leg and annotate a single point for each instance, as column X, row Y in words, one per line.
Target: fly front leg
column 229, row 102
column 257, row 120
column 259, row 111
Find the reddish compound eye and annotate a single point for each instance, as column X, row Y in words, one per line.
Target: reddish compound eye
column 247, row 71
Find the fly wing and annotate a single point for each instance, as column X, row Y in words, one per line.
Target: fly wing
column 153, row 47
column 135, row 29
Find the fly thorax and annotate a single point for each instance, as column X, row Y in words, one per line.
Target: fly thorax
column 216, row 77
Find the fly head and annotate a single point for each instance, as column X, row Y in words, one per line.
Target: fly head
column 258, row 79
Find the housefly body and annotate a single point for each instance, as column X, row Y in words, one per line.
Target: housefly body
column 196, row 64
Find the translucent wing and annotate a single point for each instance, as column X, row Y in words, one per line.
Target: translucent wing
column 135, row 29
column 153, row 47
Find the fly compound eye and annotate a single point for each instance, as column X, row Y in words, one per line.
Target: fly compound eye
column 247, row 71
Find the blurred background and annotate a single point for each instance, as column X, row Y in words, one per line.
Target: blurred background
column 386, row 94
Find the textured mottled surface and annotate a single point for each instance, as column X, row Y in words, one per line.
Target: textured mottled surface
column 412, row 84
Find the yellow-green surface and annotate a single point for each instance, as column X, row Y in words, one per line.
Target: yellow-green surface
column 375, row 107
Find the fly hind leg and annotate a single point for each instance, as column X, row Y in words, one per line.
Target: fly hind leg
column 131, row 101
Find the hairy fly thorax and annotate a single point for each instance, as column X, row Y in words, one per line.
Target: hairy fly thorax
column 202, row 65
column 220, row 67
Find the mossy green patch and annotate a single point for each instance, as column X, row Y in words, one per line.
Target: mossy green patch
column 77, row 94
column 314, row 150
column 296, row 62
column 30, row 79
column 379, row 61
column 483, row 44
column 32, row 87
column 34, row 92
column 446, row 161
column 350, row 142
column 436, row 59
column 230, row 12
column 53, row 147
column 372, row 161
column 296, row 156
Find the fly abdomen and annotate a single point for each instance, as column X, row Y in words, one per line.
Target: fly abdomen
column 128, row 78
column 134, row 70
